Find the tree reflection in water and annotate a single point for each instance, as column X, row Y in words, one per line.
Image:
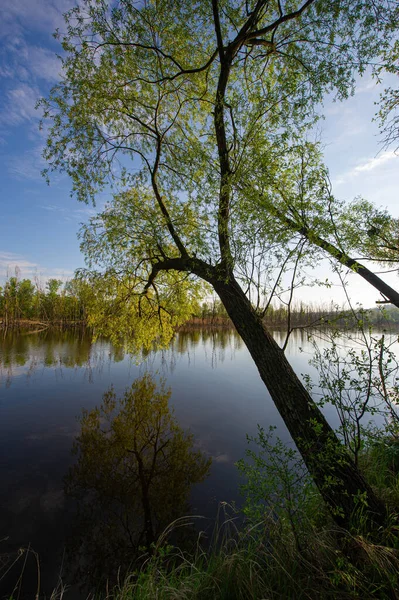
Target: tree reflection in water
column 54, row 348
column 135, row 467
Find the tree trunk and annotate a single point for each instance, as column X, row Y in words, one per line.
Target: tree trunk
column 339, row 481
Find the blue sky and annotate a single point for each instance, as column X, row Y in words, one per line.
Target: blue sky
column 38, row 224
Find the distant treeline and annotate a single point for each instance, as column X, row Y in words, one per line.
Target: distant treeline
column 301, row 315
column 54, row 302
column 67, row 304
column 214, row 313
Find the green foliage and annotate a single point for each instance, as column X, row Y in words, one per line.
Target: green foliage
column 53, row 302
column 380, row 463
column 387, row 115
column 118, row 308
column 26, row 298
column 357, row 375
column 211, row 311
column 139, row 108
column 117, row 79
column 369, row 230
column 278, row 485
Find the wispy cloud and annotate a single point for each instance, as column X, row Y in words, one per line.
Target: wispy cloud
column 370, row 167
column 6, row 71
column 11, row 261
column 28, row 165
column 67, row 214
column 348, row 125
column 375, row 162
column 43, row 63
column 26, row 62
column 367, row 84
column 42, row 15
column 27, row 66
column 11, row 264
column 19, row 105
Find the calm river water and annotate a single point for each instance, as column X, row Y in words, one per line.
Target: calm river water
column 47, row 378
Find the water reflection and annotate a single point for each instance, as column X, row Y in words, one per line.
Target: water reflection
column 186, row 339
column 134, row 471
column 56, row 348
column 217, row 394
column 24, row 353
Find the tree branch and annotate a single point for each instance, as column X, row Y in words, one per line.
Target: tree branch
column 185, row 263
column 218, row 30
column 283, row 19
column 339, row 255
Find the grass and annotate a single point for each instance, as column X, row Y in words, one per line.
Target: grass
column 276, row 559
column 271, row 559
column 329, row 564
column 381, row 467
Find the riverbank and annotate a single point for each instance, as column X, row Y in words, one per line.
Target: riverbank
column 34, row 324
column 343, row 322
column 291, row 551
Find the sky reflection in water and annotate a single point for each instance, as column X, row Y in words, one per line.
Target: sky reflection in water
column 47, row 378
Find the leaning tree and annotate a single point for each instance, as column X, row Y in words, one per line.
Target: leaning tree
column 175, row 104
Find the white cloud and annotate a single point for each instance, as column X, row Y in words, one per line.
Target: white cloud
column 376, row 172
column 11, row 264
column 67, row 214
column 19, row 105
column 343, row 124
column 6, row 71
column 43, row 63
column 366, row 85
column 26, row 63
column 375, row 162
column 11, row 261
column 39, row 15
column 28, row 165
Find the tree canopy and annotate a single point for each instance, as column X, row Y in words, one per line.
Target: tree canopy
column 197, row 113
